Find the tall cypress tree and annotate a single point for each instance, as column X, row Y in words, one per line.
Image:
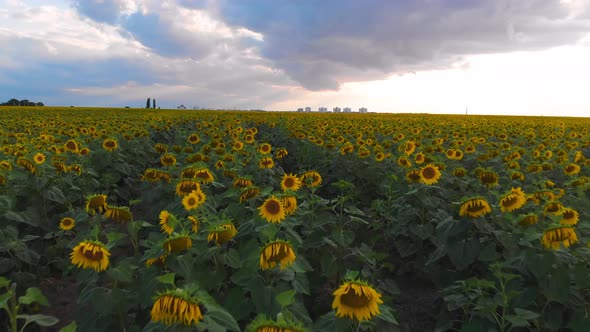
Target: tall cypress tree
column 147, row 104
column 154, row 103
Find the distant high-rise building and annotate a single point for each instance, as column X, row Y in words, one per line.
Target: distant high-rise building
column 322, row 109
column 337, row 110
column 308, row 109
column 300, row 109
column 346, row 110
column 363, row 110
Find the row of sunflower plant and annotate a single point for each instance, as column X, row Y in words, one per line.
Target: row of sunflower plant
column 288, row 222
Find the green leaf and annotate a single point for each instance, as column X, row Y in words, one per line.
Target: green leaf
column 286, row 298
column 167, row 279
column 56, row 195
column 33, row 295
column 113, row 238
column 4, row 282
column 387, row 315
column 517, row 321
column 232, row 258
column 463, row 253
column 526, row 314
column 69, row 328
column 42, row 320
column 4, row 299
column 222, row 317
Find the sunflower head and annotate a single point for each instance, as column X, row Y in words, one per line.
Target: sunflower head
column 39, row 158
column 511, row 202
column 555, row 237
column 249, row 193
column 290, row 182
column 193, row 200
column 90, row 255
column 176, row 307
column 569, row 216
column 475, row 207
column 222, row 233
column 120, row 215
column 177, row 244
column 110, row 144
column 186, row 186
column 429, row 174
column 272, row 210
column 283, row 324
column 356, row 300
column 96, row 204
column 529, row 220
column 67, row 223
column 311, row 179
column 277, row 253
column 266, row 163
column 167, row 222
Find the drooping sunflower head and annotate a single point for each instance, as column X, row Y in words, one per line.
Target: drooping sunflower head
column 556, row 237
column 554, row 208
column 249, row 193
column 289, row 203
column 67, row 223
column 272, row 210
column 277, row 253
column 281, row 153
column 186, row 186
column 90, row 255
column 176, row 307
column 571, row 169
column 266, row 163
column 475, row 207
column 27, row 165
column 311, row 179
column 511, row 202
column 489, row 178
column 242, row 182
column 529, row 219
column 177, row 244
column 290, row 182
column 222, row 233
column 569, row 216
column 429, row 174
column 204, row 175
column 158, row 261
column 194, row 223
column 413, row 176
column 168, row 159
column 110, row 144
column 96, row 204
column 72, row 146
column 356, row 300
column 283, row 324
column 120, row 215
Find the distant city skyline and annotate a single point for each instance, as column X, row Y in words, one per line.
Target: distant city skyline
column 419, row 56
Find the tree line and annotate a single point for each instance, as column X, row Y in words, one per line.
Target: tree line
column 24, row 102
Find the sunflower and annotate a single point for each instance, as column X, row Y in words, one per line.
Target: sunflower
column 272, row 210
column 571, row 169
column 110, row 144
column 266, row 162
column 176, row 307
column 193, row 138
column 264, row 148
column 194, row 222
column 241, row 182
column 489, row 178
column 429, row 174
column 311, row 179
column 511, row 202
column 186, row 186
column 67, row 223
column 282, row 324
column 72, row 146
column 277, row 252
column 177, row 244
column 167, row 222
column 413, row 176
column 475, row 207
column 249, row 193
column 168, row 159
column 2, row 180
column 222, row 233
column 90, row 254
column 75, row 168
column 554, row 208
column 26, row 164
column 356, row 300
column 151, row 175
column 379, row 156
column 459, row 172
column 528, row 220
column 289, row 203
column 569, row 216
column 290, row 182
column 159, row 261
column 420, row 158
column 237, row 146
column 39, row 158
column 160, row 148
column 84, row 151
column 204, row 175
column 120, row 215
column 403, row 161
column 193, row 200
column 6, row 165
column 281, row 153
column 555, row 237
column 96, row 204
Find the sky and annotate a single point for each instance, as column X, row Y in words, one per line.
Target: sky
column 510, row 57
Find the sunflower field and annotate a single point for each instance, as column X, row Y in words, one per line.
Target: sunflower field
column 176, row 220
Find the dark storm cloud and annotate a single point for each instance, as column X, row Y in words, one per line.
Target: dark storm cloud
column 324, row 43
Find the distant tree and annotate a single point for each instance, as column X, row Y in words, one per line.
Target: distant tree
column 147, row 104
column 24, row 102
column 40, row 104
column 154, row 103
column 13, row 102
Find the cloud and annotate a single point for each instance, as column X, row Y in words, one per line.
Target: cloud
column 322, row 44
